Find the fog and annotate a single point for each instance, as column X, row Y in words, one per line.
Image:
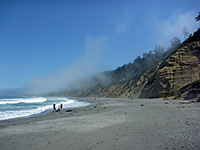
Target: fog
column 79, row 73
column 179, row 25
column 185, row 32
column 89, row 63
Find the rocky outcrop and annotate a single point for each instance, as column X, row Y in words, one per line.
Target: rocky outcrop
column 181, row 68
column 190, row 91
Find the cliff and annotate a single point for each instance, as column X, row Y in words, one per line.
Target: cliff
column 177, row 72
column 172, row 74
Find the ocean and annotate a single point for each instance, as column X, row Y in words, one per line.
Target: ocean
column 17, row 107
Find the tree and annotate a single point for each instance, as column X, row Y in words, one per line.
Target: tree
column 145, row 55
column 175, row 42
column 159, row 50
column 198, row 17
column 138, row 60
column 185, row 32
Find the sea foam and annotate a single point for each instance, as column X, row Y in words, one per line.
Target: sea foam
column 22, row 100
column 33, row 106
column 22, row 113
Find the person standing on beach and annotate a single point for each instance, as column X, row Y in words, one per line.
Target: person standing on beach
column 61, row 106
column 54, row 107
column 58, row 108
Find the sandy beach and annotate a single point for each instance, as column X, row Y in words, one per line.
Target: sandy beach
column 108, row 124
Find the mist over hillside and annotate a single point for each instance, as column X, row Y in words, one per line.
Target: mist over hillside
column 172, row 73
column 115, row 83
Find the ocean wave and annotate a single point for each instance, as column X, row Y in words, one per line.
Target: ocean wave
column 22, row 113
column 4, row 115
column 29, row 110
column 22, row 100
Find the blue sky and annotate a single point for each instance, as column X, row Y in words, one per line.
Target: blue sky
column 42, row 39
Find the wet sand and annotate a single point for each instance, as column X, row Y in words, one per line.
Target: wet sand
column 108, row 124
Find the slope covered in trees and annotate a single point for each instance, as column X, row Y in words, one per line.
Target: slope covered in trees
column 173, row 74
column 125, row 81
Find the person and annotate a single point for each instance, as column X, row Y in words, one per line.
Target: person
column 54, row 107
column 61, row 106
column 58, row 108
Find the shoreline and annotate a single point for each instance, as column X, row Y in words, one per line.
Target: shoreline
column 51, row 110
column 49, row 114
column 108, row 123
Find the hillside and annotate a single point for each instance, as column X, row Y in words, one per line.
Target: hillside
column 178, row 74
column 172, row 74
column 125, row 81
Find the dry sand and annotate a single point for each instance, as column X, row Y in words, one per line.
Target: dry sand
column 108, row 124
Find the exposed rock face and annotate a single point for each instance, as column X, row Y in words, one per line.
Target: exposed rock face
column 190, row 91
column 177, row 71
column 129, row 89
column 177, row 77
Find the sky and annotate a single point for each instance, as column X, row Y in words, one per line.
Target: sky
column 47, row 43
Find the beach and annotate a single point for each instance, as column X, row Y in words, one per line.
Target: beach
column 108, row 124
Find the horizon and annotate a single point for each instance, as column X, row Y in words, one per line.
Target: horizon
column 49, row 43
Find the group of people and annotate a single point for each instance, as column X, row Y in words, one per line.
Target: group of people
column 60, row 107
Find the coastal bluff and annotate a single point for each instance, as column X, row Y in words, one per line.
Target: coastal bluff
column 171, row 74
column 179, row 75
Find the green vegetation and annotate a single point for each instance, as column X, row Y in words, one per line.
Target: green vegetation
column 198, row 17
column 141, row 78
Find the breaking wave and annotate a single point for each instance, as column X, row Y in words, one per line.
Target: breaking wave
column 22, row 100
column 12, row 108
